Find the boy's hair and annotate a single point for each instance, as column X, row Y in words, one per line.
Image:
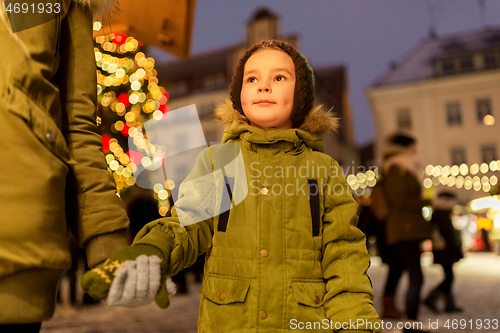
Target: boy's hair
column 402, row 139
column 303, row 96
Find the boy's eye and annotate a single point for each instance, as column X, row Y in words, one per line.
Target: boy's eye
column 251, row 79
column 280, row 78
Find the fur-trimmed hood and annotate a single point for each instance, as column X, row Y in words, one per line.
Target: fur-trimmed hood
column 99, row 8
column 310, row 133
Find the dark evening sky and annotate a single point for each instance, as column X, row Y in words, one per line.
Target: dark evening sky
column 364, row 35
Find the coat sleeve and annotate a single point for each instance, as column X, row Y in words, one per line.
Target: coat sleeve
column 95, row 213
column 187, row 232
column 345, row 259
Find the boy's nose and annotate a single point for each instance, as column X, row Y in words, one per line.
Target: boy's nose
column 264, row 88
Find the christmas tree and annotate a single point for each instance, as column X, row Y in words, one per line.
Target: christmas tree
column 128, row 96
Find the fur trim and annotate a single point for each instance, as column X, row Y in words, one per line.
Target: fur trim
column 100, row 8
column 317, row 121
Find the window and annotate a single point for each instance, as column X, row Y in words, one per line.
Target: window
column 404, row 119
column 466, row 65
column 448, row 67
column 454, row 113
column 489, row 153
column 491, row 60
column 483, row 108
column 458, row 156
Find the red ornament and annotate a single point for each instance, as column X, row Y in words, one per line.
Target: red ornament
column 125, row 130
column 105, row 142
column 123, row 98
column 119, row 38
column 163, row 108
column 135, row 157
column 166, row 94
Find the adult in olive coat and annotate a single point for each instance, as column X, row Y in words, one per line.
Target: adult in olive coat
column 53, row 174
column 405, row 225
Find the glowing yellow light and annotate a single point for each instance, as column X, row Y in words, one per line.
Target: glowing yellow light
column 113, row 145
column 142, row 97
column 140, row 73
column 474, row 168
column 493, row 180
column 97, row 26
column 361, row 177
column 120, row 107
column 489, row 120
column 130, row 181
column 443, row 180
column 136, row 85
column 427, row 182
column 158, row 115
column 120, row 72
column 130, row 117
column 170, row 184
column 163, row 210
column 157, row 187
column 426, row 212
column 460, row 182
column 109, row 158
column 133, row 167
column 486, row 187
column 372, row 182
column 493, row 166
column 477, row 186
column 119, row 125
column 464, row 169
column 351, row 179
column 445, row 171
column 108, row 81
column 435, row 181
column 112, row 68
column 451, row 181
column 484, row 180
column 484, row 168
column 486, row 202
column 124, row 159
column 119, row 171
column 133, row 78
column 370, row 175
column 113, row 165
column 162, row 194
column 455, row 170
column 133, row 98
column 428, row 170
column 146, row 162
column 98, row 56
column 436, row 171
column 468, row 185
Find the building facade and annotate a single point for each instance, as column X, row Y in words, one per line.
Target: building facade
column 204, row 80
column 446, row 93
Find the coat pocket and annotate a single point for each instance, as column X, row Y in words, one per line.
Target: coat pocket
column 309, row 293
column 225, row 290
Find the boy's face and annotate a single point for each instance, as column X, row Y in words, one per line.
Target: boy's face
column 267, row 89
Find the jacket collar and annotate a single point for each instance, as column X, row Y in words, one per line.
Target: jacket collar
column 310, row 133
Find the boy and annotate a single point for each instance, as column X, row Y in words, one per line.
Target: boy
column 289, row 255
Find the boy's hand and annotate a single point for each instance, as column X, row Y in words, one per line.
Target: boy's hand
column 131, row 277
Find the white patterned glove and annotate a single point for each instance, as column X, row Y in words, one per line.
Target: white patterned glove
column 136, row 283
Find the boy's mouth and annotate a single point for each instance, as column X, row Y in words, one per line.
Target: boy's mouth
column 264, row 102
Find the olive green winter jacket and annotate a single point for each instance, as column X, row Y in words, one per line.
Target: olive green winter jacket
column 288, row 254
column 53, row 175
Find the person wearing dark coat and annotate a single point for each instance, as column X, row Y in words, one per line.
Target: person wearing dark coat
column 405, row 227
column 447, row 250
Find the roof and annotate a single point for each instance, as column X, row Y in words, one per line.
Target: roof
column 417, row 64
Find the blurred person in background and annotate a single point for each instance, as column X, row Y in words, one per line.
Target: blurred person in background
column 54, row 175
column 447, row 250
column 405, row 226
